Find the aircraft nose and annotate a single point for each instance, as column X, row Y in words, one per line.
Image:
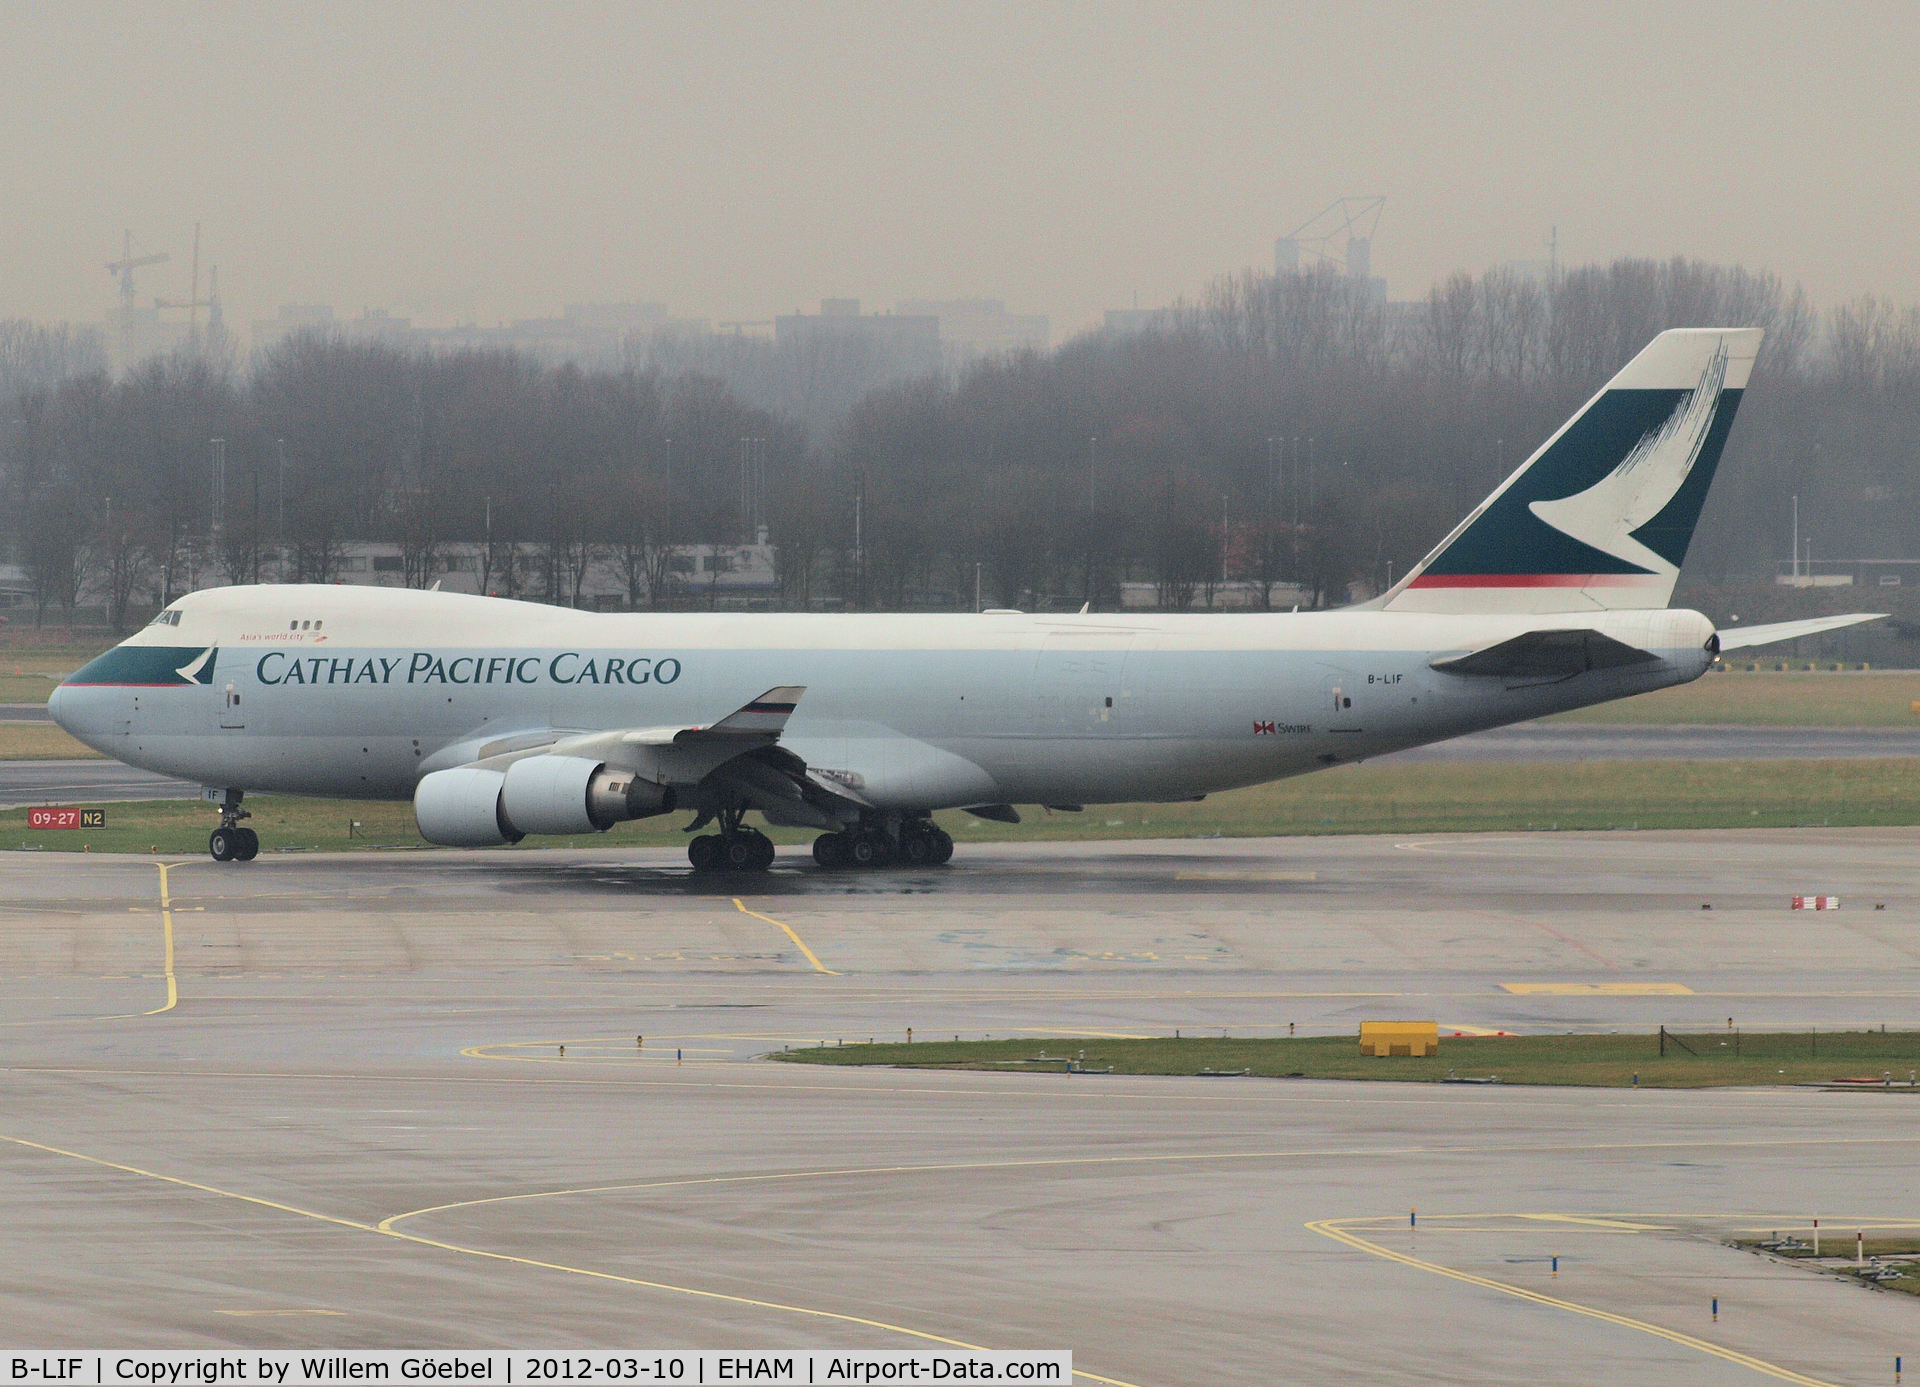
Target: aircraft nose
column 80, row 712
column 60, row 707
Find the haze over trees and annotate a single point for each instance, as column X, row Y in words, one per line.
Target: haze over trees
column 1293, row 434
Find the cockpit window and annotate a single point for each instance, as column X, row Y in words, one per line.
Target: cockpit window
column 166, row 619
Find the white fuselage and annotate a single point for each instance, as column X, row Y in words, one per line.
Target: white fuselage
column 359, row 692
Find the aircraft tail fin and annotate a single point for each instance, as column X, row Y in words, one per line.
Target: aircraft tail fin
column 1601, row 515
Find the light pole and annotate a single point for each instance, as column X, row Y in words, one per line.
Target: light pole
column 218, row 510
column 1093, row 510
column 280, row 519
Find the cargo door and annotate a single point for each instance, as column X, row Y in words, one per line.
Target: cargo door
column 1079, row 688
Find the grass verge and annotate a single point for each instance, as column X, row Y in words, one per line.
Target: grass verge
column 1887, row 1262
column 30, row 668
column 1602, row 1061
column 41, row 741
column 1437, row 797
column 1769, row 698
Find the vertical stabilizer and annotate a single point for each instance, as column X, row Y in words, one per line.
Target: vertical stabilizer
column 1601, row 515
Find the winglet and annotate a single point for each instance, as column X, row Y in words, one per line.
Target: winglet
column 765, row 716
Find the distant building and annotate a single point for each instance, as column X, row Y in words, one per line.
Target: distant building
column 134, row 334
column 292, row 318
column 592, row 333
column 1848, row 573
column 1130, row 322
column 731, row 576
column 911, row 341
column 378, row 325
column 973, row 328
column 16, row 586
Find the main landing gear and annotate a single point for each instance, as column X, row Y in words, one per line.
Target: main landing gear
column 230, row 842
column 735, row 848
column 874, row 843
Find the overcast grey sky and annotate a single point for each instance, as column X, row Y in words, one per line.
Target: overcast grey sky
column 492, row 161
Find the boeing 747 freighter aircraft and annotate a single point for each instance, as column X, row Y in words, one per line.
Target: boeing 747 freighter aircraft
column 501, row 719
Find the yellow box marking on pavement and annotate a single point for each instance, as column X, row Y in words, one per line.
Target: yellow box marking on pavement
column 1339, row 1231
column 386, row 1230
column 787, row 929
column 1597, row 989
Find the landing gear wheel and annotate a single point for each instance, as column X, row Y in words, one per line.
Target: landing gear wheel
column 830, row 851
column 942, row 842
column 704, row 853
column 224, row 844
column 738, row 853
column 916, row 848
column 249, row 845
column 868, row 850
column 762, row 852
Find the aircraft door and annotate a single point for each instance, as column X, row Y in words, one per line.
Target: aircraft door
column 1079, row 684
column 1345, row 708
column 232, row 715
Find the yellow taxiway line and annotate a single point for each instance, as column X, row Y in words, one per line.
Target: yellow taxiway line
column 166, row 928
column 787, row 929
column 386, row 1230
column 1335, row 1228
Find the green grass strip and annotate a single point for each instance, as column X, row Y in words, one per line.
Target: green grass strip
column 1717, row 1058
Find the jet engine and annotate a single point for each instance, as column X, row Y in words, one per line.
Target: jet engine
column 473, row 806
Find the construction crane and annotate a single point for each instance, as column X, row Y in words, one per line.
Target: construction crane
column 193, row 303
column 1348, row 221
column 125, row 266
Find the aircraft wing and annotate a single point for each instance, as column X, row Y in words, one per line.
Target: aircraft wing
column 1742, row 637
column 1546, row 654
column 758, row 722
column 737, row 760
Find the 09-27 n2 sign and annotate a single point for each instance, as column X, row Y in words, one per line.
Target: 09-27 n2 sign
column 66, row 818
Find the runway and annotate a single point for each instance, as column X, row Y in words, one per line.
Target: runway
column 320, row 1100
column 1567, row 741
column 105, row 782
column 84, row 782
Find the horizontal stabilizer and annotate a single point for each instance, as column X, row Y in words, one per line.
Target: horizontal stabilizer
column 1741, row 637
column 1547, row 654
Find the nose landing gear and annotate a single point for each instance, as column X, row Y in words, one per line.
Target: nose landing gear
column 230, row 842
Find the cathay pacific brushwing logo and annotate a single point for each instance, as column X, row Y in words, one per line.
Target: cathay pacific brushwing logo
column 198, row 671
column 149, row 667
column 1607, row 513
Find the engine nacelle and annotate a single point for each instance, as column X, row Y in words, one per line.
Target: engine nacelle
column 460, row 808
column 470, row 806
